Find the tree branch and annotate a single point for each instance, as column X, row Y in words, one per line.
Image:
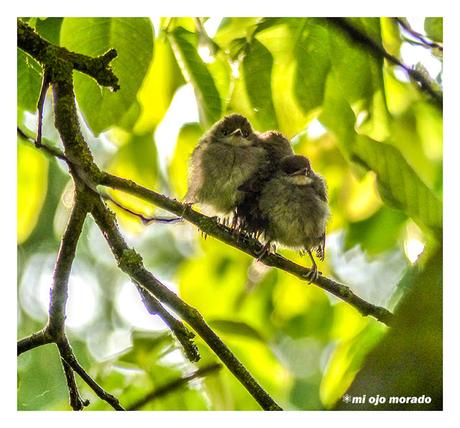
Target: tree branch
column 75, row 400
column 68, row 356
column 246, row 244
column 182, row 333
column 377, row 50
column 43, row 51
column 422, row 40
column 131, row 263
column 173, row 385
column 63, row 266
column 33, row 341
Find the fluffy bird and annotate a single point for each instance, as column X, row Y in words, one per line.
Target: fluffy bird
column 294, row 208
column 227, row 156
column 276, row 146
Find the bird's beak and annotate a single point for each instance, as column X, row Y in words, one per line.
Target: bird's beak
column 237, row 132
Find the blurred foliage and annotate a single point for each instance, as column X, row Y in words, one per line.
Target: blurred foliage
column 374, row 136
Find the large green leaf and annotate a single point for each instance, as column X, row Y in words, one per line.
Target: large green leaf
column 29, row 81
column 257, row 71
column 133, row 40
column 399, row 185
column 185, row 45
column 313, row 65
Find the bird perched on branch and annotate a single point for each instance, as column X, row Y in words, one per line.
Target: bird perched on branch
column 225, row 158
column 294, row 208
column 277, row 146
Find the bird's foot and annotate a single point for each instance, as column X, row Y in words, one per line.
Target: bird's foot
column 265, row 250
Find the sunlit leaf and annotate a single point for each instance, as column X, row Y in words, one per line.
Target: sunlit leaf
column 101, row 107
column 313, row 65
column 137, row 160
column 188, row 138
column 29, row 81
column 32, row 187
column 380, row 232
column 257, row 67
column 185, row 44
column 399, row 185
column 159, row 86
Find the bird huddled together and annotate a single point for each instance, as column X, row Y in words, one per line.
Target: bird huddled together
column 258, row 181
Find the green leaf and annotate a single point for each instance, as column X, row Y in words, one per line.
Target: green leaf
column 337, row 114
column 378, row 233
column 29, row 81
column 159, row 86
column 188, row 138
column 147, row 348
column 32, row 187
column 185, row 45
column 133, row 40
column 237, row 328
column 313, row 65
column 257, row 72
column 50, row 29
column 434, row 29
column 399, row 185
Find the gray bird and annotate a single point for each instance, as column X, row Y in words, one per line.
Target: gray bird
column 293, row 204
column 226, row 157
column 250, row 219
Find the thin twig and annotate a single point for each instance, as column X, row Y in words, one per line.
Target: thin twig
column 52, row 151
column 40, row 106
column 68, row 356
column 75, row 400
column 144, row 219
column 377, row 50
column 416, row 35
column 173, row 385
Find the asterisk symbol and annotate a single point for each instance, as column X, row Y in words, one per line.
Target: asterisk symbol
column 346, row 398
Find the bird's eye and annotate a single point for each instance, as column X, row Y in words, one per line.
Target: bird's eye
column 245, row 134
column 224, row 132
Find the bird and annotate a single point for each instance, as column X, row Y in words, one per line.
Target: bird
column 225, row 157
column 277, row 146
column 294, row 207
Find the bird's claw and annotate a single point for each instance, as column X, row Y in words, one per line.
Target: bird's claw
column 312, row 275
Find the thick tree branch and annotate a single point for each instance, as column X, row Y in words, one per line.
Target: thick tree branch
column 173, row 385
column 377, row 50
column 131, row 263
